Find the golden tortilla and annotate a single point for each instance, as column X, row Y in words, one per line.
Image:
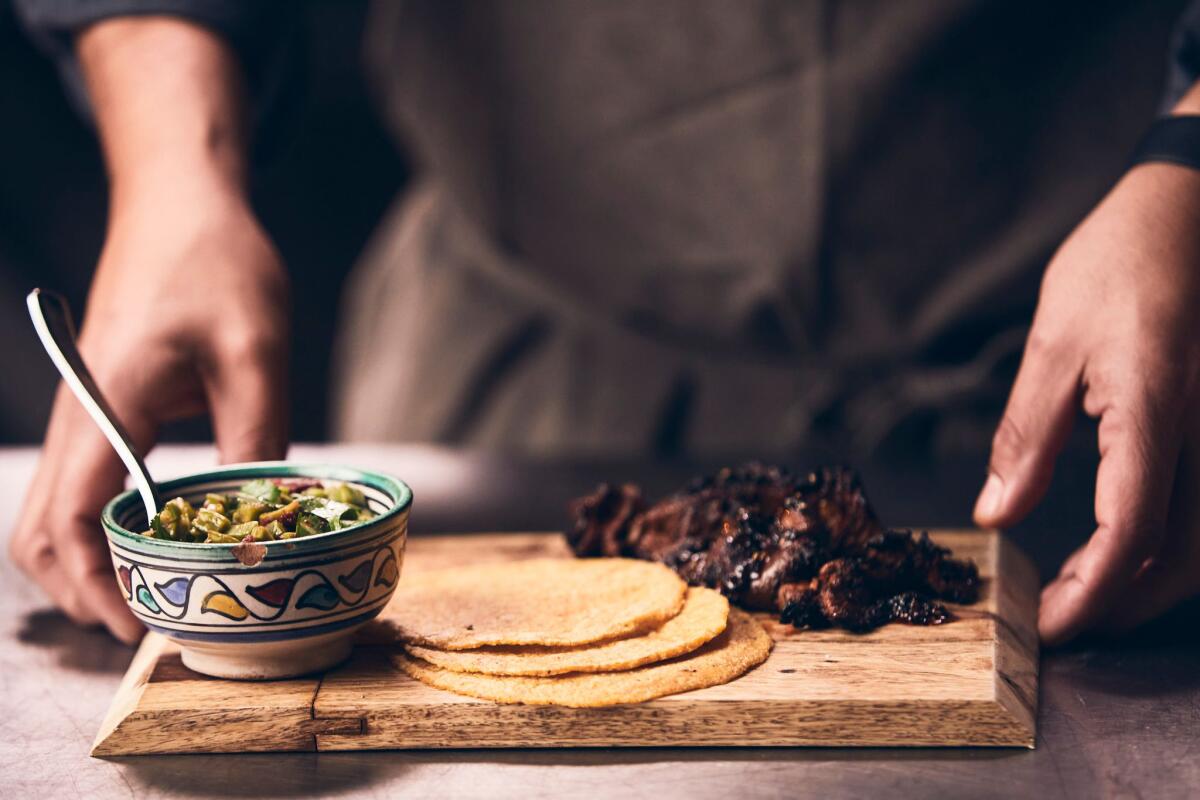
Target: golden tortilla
column 545, row 601
column 743, row 646
column 703, row 617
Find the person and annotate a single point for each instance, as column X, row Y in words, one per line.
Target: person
column 696, row 225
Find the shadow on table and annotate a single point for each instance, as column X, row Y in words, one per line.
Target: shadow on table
column 265, row 775
column 285, row 775
column 1165, row 651
column 76, row 648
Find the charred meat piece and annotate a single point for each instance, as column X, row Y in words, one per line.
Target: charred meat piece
column 857, row 595
column 800, row 605
column 914, row 609
column 847, row 596
column 761, row 486
column 835, row 498
column 917, row 564
column 602, row 519
column 784, row 563
column 809, row 548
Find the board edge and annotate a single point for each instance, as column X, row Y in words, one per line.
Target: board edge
column 129, row 693
column 1016, row 650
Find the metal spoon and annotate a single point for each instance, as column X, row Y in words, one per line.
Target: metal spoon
column 52, row 320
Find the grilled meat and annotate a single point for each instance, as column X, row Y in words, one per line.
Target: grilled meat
column 809, row 548
column 609, row 512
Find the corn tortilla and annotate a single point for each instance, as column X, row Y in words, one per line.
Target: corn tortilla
column 544, row 601
column 741, row 647
column 703, row 617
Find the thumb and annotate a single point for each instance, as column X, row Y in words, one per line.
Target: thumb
column 1032, row 432
column 246, row 386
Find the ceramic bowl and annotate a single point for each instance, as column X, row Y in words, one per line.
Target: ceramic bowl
column 291, row 614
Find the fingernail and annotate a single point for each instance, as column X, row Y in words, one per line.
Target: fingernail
column 987, row 507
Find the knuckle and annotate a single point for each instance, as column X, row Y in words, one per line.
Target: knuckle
column 30, row 553
column 18, row 553
column 244, row 343
column 1043, row 345
column 1121, row 422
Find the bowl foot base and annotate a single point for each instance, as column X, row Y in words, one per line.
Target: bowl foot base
column 268, row 660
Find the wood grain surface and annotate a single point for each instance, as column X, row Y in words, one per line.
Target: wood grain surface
column 969, row 682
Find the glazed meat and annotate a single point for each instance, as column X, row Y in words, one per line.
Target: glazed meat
column 808, row 548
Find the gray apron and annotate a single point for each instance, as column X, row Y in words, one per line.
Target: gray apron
column 718, row 226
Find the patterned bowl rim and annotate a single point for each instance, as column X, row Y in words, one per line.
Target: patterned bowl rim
column 397, row 489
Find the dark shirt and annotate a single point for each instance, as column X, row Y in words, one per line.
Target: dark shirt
column 255, row 26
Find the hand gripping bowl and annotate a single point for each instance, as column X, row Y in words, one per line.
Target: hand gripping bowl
column 290, row 614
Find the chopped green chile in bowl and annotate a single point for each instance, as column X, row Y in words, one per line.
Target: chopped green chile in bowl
column 261, row 571
column 265, row 510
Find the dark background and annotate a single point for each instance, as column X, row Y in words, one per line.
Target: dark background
column 319, row 190
column 329, row 173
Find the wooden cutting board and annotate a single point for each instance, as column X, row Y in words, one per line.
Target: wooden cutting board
column 970, row 682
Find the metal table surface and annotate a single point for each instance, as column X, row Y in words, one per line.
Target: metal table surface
column 1117, row 718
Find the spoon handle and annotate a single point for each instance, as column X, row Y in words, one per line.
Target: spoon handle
column 52, row 320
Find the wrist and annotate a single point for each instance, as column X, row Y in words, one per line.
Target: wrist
column 1162, row 200
column 177, row 178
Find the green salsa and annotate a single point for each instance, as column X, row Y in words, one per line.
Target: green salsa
column 263, row 510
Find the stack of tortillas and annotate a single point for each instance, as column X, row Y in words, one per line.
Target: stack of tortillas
column 591, row 632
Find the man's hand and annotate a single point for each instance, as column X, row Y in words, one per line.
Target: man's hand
column 1117, row 329
column 186, row 314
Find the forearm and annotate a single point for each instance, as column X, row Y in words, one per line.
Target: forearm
column 169, row 105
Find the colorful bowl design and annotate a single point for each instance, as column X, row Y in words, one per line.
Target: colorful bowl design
column 291, row 614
